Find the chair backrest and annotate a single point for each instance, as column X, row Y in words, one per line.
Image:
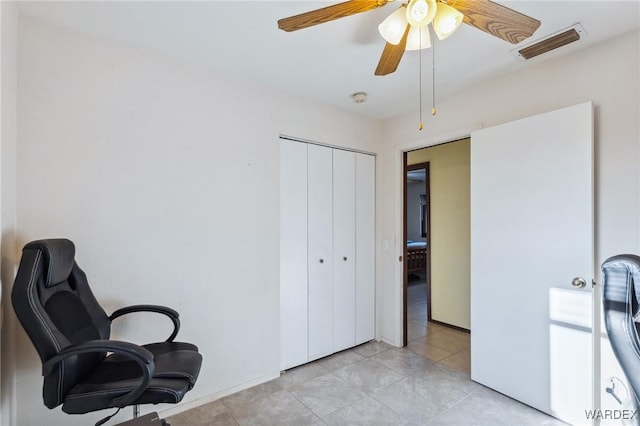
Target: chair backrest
column 54, row 304
column 621, row 302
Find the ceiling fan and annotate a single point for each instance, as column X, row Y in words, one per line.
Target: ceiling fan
column 495, row 19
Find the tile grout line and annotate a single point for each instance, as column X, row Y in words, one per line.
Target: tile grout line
column 369, row 393
column 454, row 405
column 404, row 377
column 302, row 402
column 229, row 411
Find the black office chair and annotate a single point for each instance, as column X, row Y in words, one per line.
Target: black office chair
column 82, row 368
column 621, row 302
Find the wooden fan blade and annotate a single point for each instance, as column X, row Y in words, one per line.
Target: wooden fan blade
column 392, row 54
column 496, row 19
column 328, row 13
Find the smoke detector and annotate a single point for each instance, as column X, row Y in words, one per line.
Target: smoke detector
column 359, row 97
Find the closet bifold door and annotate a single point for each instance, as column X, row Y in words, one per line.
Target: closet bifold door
column 320, row 250
column 293, row 254
column 344, row 250
column 365, row 247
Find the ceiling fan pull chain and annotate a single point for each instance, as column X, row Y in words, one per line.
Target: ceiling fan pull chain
column 433, row 76
column 420, row 127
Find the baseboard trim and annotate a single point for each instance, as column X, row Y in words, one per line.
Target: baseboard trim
column 455, row 327
column 388, row 341
column 177, row 409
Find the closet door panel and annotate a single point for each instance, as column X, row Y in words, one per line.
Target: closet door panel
column 344, row 240
column 293, row 254
column 365, row 247
column 320, row 247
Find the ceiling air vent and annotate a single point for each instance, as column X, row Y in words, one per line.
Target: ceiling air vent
column 559, row 39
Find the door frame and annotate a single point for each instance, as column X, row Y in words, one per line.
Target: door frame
column 399, row 182
column 427, row 226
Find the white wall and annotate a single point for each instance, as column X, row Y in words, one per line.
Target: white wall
column 8, row 134
column 166, row 177
column 607, row 74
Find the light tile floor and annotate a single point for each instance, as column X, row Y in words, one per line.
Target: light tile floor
column 426, row 383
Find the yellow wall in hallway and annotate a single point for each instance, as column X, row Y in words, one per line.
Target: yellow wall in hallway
column 450, row 229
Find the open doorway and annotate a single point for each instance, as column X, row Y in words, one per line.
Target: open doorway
column 437, row 242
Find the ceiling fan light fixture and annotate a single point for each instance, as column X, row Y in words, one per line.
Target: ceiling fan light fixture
column 446, row 21
column 421, row 12
column 418, row 39
column 392, row 28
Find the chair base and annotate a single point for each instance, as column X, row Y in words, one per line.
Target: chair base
column 150, row 419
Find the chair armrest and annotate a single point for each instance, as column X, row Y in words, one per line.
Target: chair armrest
column 172, row 314
column 140, row 355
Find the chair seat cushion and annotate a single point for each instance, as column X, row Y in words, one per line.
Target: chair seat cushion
column 89, row 396
column 174, row 375
column 172, row 360
column 164, row 347
column 183, row 365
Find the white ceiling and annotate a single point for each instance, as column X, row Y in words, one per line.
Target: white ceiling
column 328, row 62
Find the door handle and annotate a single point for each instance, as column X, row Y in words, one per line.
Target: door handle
column 579, row 282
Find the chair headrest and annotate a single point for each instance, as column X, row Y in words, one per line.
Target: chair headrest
column 59, row 254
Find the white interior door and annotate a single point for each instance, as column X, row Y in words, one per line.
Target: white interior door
column 293, row 254
column 320, row 246
column 531, row 234
column 365, row 247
